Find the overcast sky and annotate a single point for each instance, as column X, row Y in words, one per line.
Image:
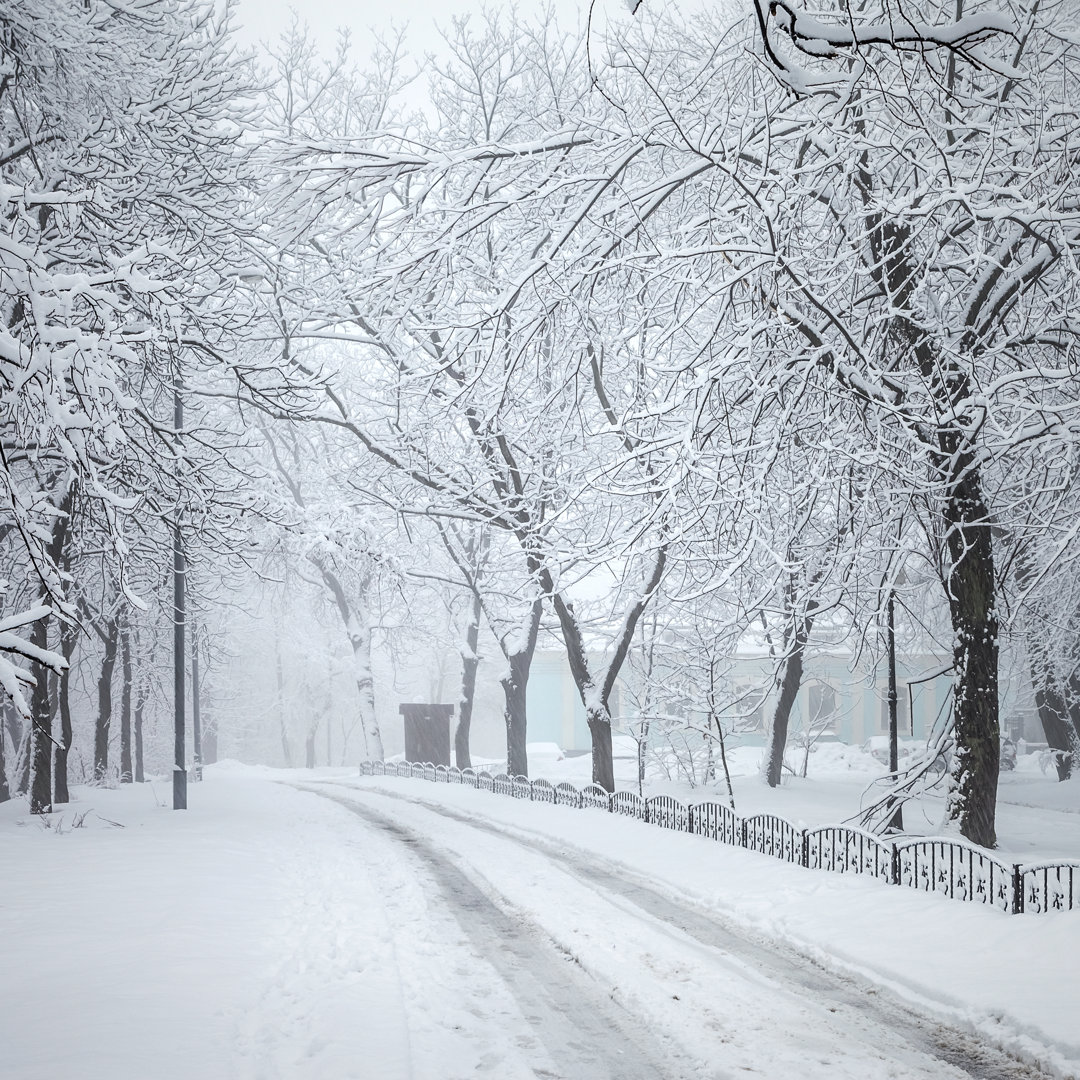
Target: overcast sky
column 262, row 20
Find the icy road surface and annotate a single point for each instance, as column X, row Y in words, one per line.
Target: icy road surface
column 288, row 928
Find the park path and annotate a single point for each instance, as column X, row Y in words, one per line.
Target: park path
column 613, row 978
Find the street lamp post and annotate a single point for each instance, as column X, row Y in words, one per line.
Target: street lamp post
column 896, row 822
column 179, row 574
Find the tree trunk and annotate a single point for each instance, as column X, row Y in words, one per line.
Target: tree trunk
column 309, row 748
column 68, row 635
column 976, row 757
column 599, row 720
column 1054, row 716
column 969, row 581
column 358, row 629
column 796, row 637
column 1050, row 699
column 596, row 696
column 41, row 731
column 470, row 662
column 104, row 717
column 514, row 685
column 125, row 703
column 22, row 760
column 5, row 791
column 790, row 681
column 137, row 730
column 196, row 707
column 41, row 740
column 724, row 762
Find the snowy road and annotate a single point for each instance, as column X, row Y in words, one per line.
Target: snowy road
column 290, row 928
column 597, row 974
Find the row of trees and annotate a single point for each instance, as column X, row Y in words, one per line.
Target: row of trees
column 730, row 327
column 121, row 251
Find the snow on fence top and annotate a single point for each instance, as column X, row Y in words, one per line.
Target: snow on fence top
column 952, row 868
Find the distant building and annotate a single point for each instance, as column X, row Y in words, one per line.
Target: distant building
column 833, row 703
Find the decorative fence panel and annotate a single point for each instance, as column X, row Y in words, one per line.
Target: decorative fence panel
column 542, row 791
column 716, row 821
column 666, row 812
column 1050, row 887
column 846, row 850
column 568, row 795
column 595, row 796
column 959, row 871
column 774, row 836
column 628, row 803
column 952, row 868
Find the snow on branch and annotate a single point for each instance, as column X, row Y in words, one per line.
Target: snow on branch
column 14, row 678
column 820, row 39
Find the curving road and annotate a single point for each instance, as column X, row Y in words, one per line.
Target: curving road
column 609, row 977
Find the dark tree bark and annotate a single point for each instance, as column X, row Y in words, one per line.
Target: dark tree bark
column 5, row 791
column 1054, row 716
column 41, row 710
column 515, row 683
column 111, row 639
column 470, row 663
column 41, row 729
column 789, row 680
column 137, row 730
column 7, row 712
column 196, row 707
column 976, row 758
column 125, row 703
column 68, row 636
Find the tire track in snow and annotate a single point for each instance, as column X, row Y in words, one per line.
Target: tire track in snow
column 584, row 1034
column 864, row 1008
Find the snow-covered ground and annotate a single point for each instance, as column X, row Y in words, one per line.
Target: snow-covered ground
column 384, row 928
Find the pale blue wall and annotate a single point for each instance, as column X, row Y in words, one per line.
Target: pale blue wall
column 556, row 714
